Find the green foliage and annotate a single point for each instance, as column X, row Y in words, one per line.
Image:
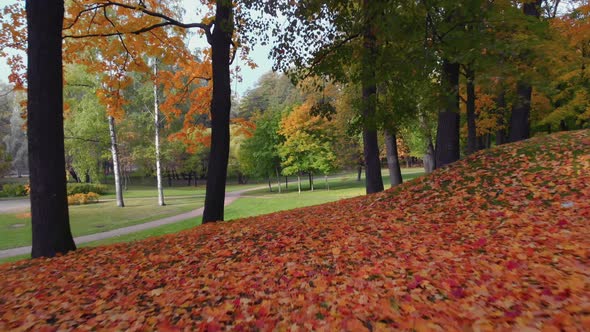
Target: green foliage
column 85, row 188
column 307, row 145
column 14, row 190
column 259, row 155
column 274, row 92
column 85, row 123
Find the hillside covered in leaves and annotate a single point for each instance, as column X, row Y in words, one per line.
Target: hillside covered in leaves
column 498, row 241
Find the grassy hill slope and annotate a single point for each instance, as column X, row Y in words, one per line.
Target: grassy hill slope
column 497, row 241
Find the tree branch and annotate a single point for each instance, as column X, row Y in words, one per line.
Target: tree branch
column 317, row 60
column 168, row 21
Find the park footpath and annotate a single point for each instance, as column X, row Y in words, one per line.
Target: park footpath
column 230, row 197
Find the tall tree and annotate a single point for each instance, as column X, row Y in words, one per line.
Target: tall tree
column 447, row 135
column 157, row 124
column 374, row 181
column 520, row 125
column 116, row 162
column 395, row 174
column 49, row 205
column 220, row 41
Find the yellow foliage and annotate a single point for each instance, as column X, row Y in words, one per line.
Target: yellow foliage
column 81, row 199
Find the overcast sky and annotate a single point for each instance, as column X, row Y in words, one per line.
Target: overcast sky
column 249, row 76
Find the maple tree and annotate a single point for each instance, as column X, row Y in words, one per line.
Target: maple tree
column 479, row 245
column 307, row 143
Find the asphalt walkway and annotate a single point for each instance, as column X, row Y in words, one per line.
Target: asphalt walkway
column 230, row 197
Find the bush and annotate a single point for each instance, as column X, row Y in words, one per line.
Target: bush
column 81, row 199
column 85, row 188
column 14, row 190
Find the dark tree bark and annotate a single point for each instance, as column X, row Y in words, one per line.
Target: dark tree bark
column 521, row 109
column 49, row 204
column 73, row 174
column 220, row 41
column 447, row 135
column 373, row 181
column 395, row 173
column 501, row 136
column 472, row 144
column 563, row 125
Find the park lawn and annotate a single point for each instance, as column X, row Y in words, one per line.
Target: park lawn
column 15, row 228
column 502, row 246
column 145, row 191
column 262, row 201
column 141, row 207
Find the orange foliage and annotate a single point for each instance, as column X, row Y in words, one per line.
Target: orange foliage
column 497, row 246
column 97, row 34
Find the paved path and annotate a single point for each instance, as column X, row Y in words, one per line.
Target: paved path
column 230, row 197
column 14, row 205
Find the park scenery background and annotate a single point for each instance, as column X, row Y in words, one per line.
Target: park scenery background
column 152, row 196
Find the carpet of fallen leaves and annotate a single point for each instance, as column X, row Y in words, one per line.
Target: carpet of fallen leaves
column 498, row 241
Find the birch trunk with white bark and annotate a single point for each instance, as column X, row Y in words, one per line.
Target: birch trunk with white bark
column 116, row 167
column 157, row 138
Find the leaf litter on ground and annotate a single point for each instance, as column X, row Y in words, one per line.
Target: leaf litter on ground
column 497, row 241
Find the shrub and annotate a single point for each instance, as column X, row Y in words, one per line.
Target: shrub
column 81, row 198
column 85, row 188
column 14, row 190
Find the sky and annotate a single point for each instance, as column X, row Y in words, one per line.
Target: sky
column 249, row 76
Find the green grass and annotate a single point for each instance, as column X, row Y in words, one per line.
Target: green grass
column 86, row 218
column 144, row 191
column 15, row 228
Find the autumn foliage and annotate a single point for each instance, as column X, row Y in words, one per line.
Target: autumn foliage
column 498, row 241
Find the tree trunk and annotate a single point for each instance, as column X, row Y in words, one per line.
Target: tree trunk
column 429, row 157
column 220, row 41
column 125, row 177
column 73, row 174
column 359, row 172
column 286, row 183
column 373, row 179
column 157, row 137
column 501, row 137
column 520, row 117
column 327, row 183
column 49, row 204
column 447, row 135
column 521, row 109
column 269, row 184
column 472, row 144
column 310, row 181
column 563, row 126
column 299, row 183
column 116, row 166
column 429, row 161
column 278, row 179
column 395, row 173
